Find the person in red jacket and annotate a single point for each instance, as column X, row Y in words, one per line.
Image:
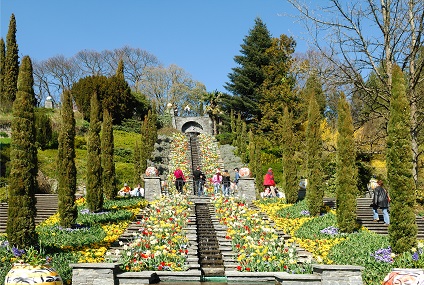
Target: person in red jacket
column 179, row 179
column 269, row 181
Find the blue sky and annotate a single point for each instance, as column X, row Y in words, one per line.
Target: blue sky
column 201, row 36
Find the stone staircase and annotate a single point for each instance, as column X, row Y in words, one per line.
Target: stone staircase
column 365, row 218
column 47, row 205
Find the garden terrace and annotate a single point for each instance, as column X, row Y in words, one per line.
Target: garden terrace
column 46, row 204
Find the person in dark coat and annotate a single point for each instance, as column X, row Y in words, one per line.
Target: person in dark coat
column 381, row 200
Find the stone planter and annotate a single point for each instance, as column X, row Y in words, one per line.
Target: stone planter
column 410, row 276
column 244, row 172
column 28, row 274
column 151, row 171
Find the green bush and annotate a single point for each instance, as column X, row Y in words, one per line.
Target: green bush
column 4, row 135
column 225, row 138
column 80, row 142
column 129, row 125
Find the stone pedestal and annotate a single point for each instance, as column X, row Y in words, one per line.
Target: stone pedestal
column 152, row 188
column 246, row 189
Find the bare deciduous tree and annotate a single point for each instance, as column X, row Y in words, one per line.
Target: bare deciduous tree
column 170, row 85
column 366, row 38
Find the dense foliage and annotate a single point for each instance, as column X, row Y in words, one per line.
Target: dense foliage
column 24, row 166
column 108, row 162
column 403, row 228
column 94, row 167
column 66, row 164
column 315, row 191
column 11, row 68
column 346, row 170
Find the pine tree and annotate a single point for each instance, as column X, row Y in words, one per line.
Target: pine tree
column 403, row 227
column 2, row 68
column 346, row 172
column 94, row 167
column 315, row 191
column 68, row 212
column 108, row 164
column 245, row 80
column 11, row 66
column 23, row 155
column 290, row 181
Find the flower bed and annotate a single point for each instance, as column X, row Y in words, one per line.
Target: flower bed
column 86, row 242
column 258, row 246
column 161, row 244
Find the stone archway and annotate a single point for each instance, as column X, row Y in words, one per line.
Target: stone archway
column 192, row 127
column 200, row 125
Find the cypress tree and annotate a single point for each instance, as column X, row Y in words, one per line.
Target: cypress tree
column 2, row 68
column 94, row 167
column 403, row 227
column 11, row 66
column 137, row 168
column 346, row 171
column 144, row 144
column 315, row 191
column 108, row 164
column 290, row 180
column 23, row 155
column 68, row 212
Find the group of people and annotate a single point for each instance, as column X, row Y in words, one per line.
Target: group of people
column 270, row 190
column 138, row 191
column 221, row 182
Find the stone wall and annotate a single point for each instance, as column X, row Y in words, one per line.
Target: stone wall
column 110, row 274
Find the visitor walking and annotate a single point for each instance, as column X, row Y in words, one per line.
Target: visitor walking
column 226, row 181
column 236, row 178
column 216, row 181
column 179, row 180
column 197, row 178
column 269, row 181
column 381, row 200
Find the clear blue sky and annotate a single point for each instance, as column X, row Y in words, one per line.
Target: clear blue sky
column 200, row 36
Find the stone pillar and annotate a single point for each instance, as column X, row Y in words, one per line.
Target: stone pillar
column 94, row 273
column 339, row 274
column 152, row 188
column 246, row 189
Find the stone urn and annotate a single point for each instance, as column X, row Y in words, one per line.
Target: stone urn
column 244, row 172
column 151, row 171
column 413, row 276
column 23, row 273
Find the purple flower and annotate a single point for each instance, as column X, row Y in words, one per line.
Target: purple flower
column 415, row 256
column 383, row 255
column 18, row 252
column 330, row 231
column 305, row 213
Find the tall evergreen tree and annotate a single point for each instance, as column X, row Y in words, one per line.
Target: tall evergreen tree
column 11, row 66
column 137, row 167
column 315, row 191
column 246, row 79
column 144, row 144
column 2, row 67
column 290, row 179
column 108, row 164
column 94, row 167
column 346, row 171
column 277, row 87
column 68, row 212
column 403, row 227
column 23, row 155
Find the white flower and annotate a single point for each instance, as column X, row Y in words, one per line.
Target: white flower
column 129, row 253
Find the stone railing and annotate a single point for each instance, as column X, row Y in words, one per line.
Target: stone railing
column 110, row 274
